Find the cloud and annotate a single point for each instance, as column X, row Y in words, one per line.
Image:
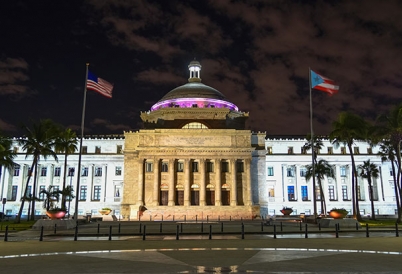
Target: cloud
column 13, row 75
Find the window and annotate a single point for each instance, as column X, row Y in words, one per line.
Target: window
column 331, row 193
column 84, row 171
column 225, row 167
column 148, row 167
column 210, row 167
column 194, row 125
column 291, row 193
column 117, row 189
column 84, row 150
column 97, row 149
column 57, row 171
column 240, row 166
column 71, row 171
column 98, row 171
column 270, row 171
column 14, row 190
column 356, row 150
column 343, row 150
column 43, row 171
column 369, row 150
column 180, row 166
column 391, row 173
column 318, row 193
column 330, row 150
column 303, row 150
column 41, row 195
column 17, row 170
column 15, row 149
column 118, row 171
column 359, row 194
column 303, row 172
column 55, row 188
column 194, row 166
column 119, row 149
column 345, row 193
column 271, row 192
column 165, row 167
column 304, row 193
column 97, row 193
column 83, row 193
column 290, row 150
column 343, row 171
column 269, row 150
column 290, row 172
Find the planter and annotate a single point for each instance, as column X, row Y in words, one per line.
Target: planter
column 54, row 215
column 286, row 211
column 105, row 211
column 337, row 215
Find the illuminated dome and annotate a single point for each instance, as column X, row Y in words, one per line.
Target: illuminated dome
column 194, row 94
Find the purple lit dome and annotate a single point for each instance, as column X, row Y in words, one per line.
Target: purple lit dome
column 194, row 94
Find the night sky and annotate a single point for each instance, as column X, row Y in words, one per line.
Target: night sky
column 257, row 53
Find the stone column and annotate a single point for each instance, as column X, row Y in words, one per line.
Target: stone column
column 202, row 182
column 247, row 166
column 187, row 187
column 171, row 183
column 233, row 187
column 218, row 185
column 156, row 182
column 140, row 182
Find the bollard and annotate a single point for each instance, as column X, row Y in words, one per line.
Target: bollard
column 55, row 228
column 222, row 227
column 305, row 233
column 41, row 234
column 140, row 228
column 181, row 227
column 177, row 232
column 339, row 226
column 357, row 226
column 336, row 231
column 367, row 231
column 119, row 228
column 281, row 227
column 396, row 230
column 98, row 228
column 300, row 226
column 160, row 228
column 274, row 231
column 6, row 234
column 262, row 226
column 144, row 233
column 76, row 233
column 202, row 227
column 110, row 233
column 242, row 231
column 210, row 232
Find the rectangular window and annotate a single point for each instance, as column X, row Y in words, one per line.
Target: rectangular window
column 14, row 190
column 97, row 150
column 117, row 190
column 165, row 167
column 303, row 150
column 57, row 171
column 83, row 193
column 71, row 171
column 291, row 193
column 304, row 193
column 369, row 150
column 29, row 190
column 98, row 171
column 210, row 167
column 290, row 172
column 41, row 195
column 240, row 167
column 180, row 166
column 343, row 150
column 225, row 167
column 17, row 170
column 271, row 192
column 318, row 193
column 345, row 193
column 356, row 150
column 331, row 193
column 290, row 150
column 84, row 150
column 84, row 171
column 43, row 171
column 269, row 150
column 330, row 150
column 148, row 167
column 270, row 171
column 194, row 166
column 303, row 172
column 343, row 171
column 118, row 171
column 359, row 194
column 55, row 188
column 119, row 149
column 97, row 193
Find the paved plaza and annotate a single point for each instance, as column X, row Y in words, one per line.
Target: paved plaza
column 289, row 252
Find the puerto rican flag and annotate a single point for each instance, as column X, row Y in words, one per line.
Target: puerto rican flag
column 323, row 83
column 98, row 84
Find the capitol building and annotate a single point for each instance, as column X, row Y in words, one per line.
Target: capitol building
column 194, row 159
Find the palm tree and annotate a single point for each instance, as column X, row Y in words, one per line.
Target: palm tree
column 38, row 141
column 368, row 171
column 322, row 169
column 66, row 142
column 346, row 130
column 7, row 154
column 51, row 196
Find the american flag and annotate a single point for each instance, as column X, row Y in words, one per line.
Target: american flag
column 98, row 84
column 323, row 83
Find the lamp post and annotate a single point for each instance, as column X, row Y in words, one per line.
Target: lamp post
column 70, row 172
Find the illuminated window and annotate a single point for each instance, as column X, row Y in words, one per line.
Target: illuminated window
column 195, row 125
column 270, row 171
column 356, row 150
column 57, row 171
column 148, row 167
column 17, row 170
column 330, row 150
column 269, row 150
column 165, row 167
column 290, row 150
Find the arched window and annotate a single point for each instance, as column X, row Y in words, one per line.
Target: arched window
column 195, row 125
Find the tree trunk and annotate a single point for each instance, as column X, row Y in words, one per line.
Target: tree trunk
column 18, row 218
column 63, row 197
column 34, row 193
column 371, row 199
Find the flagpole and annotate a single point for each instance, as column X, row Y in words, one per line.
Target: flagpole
column 80, row 151
column 312, row 147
